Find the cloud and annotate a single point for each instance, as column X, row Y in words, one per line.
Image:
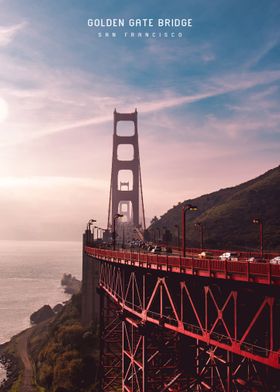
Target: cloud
column 261, row 52
column 51, row 101
column 8, row 33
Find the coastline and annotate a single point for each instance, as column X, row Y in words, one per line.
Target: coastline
column 3, row 373
column 10, row 364
column 12, row 359
column 30, row 277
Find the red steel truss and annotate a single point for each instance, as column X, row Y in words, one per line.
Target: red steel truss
column 110, row 345
column 171, row 330
column 150, row 358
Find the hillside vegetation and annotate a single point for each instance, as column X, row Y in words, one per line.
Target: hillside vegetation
column 227, row 215
column 64, row 353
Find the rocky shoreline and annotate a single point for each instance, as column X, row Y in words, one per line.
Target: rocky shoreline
column 10, row 363
column 3, row 374
column 71, row 284
column 12, row 367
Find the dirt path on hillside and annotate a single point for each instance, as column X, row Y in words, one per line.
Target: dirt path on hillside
column 27, row 377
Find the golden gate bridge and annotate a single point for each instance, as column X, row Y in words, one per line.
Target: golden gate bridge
column 176, row 322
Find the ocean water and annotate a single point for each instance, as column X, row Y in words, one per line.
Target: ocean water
column 30, row 274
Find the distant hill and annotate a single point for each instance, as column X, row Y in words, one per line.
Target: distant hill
column 227, row 214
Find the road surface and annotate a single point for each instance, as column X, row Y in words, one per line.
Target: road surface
column 22, row 351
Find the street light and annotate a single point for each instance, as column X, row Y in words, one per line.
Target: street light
column 114, row 229
column 123, row 237
column 185, row 208
column 258, row 221
column 95, row 227
column 200, row 225
column 178, row 235
column 101, row 232
column 90, row 222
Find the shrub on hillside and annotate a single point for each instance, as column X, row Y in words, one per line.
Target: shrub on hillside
column 65, row 354
column 71, row 335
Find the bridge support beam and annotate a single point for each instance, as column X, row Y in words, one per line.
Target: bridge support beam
column 133, row 356
column 110, row 345
column 189, row 334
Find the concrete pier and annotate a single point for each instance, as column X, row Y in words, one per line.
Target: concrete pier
column 90, row 279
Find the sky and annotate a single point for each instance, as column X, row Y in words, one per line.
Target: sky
column 208, row 105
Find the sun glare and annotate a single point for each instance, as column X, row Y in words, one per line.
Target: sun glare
column 3, row 110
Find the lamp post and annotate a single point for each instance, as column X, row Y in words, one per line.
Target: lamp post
column 259, row 222
column 114, row 229
column 101, row 232
column 95, row 227
column 200, row 226
column 185, row 208
column 123, row 236
column 178, row 235
column 90, row 222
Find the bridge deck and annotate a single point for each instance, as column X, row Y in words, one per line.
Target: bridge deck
column 243, row 271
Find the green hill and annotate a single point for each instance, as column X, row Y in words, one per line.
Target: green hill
column 226, row 216
column 64, row 353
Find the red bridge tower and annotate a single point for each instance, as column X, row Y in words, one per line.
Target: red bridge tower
column 126, row 195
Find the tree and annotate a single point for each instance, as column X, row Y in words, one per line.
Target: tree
column 154, row 220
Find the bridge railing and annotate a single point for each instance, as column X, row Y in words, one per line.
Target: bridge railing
column 264, row 273
column 217, row 252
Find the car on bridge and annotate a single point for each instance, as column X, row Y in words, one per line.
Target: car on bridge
column 156, row 249
column 205, row 255
column 229, row 256
column 275, row 260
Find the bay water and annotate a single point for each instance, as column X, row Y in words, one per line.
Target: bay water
column 30, row 275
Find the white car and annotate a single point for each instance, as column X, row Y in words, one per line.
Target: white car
column 156, row 249
column 205, row 255
column 229, row 256
column 275, row 260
